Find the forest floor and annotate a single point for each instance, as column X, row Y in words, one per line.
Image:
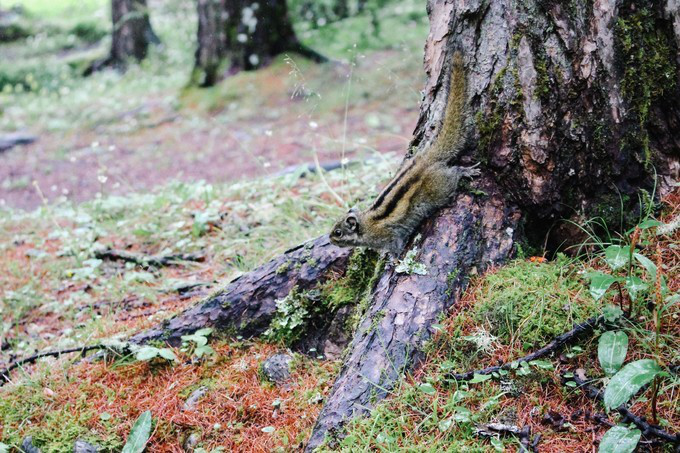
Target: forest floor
column 116, row 165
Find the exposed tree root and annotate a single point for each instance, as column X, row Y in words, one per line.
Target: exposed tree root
column 146, row 260
column 648, row 430
column 25, row 361
column 579, row 330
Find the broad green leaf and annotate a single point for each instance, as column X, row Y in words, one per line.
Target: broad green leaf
column 542, row 364
column 204, row 332
column 268, row 429
column 649, row 266
column 4, row 448
column 628, row 381
column 617, row 256
column 600, row 283
column 167, row 354
column 634, row 285
column 612, row 313
column 462, row 414
column 649, row 223
column 139, row 434
column 497, row 444
column 445, row 424
column 611, row 350
column 480, row 378
column 619, row 439
column 146, row 353
column 427, row 388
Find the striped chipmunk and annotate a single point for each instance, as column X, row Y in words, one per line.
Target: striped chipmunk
column 424, row 184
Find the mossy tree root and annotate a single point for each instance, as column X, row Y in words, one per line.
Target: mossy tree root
column 475, row 232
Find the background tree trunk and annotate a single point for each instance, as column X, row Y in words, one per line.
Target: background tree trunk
column 572, row 108
column 131, row 36
column 211, row 48
column 132, row 32
column 242, row 35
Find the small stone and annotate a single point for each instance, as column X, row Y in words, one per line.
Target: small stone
column 191, row 402
column 191, row 442
column 27, row 445
column 83, row 447
column 277, row 368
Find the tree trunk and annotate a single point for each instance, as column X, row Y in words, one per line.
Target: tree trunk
column 132, row 33
column 242, row 35
column 211, row 49
column 572, row 110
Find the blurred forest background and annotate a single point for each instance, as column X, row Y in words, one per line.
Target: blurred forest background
column 115, row 132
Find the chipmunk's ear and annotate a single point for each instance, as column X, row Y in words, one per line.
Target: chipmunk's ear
column 352, row 221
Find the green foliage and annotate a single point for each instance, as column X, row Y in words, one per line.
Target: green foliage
column 292, row 314
column 611, row 351
column 197, row 343
column 139, row 434
column 619, row 439
column 628, row 381
column 530, row 303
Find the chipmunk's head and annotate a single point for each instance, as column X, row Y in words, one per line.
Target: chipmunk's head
column 346, row 233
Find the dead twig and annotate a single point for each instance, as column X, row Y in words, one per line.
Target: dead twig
column 146, row 260
column 648, row 429
column 523, row 434
column 21, row 362
column 579, row 330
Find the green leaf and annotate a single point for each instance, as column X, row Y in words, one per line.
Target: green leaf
column 480, row 378
column 617, row 256
column 427, row 388
column 445, row 424
column 649, row 266
column 268, row 429
column 497, row 444
column 612, row 313
column 619, row 439
column 542, row 364
column 104, row 416
column 139, row 434
column 611, row 350
column 4, row 448
column 462, row 414
column 600, row 283
column 167, row 354
column 206, row 331
column 628, row 381
column 634, row 285
column 649, row 223
column 146, row 353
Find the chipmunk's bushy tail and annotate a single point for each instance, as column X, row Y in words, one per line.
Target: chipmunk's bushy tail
column 451, row 138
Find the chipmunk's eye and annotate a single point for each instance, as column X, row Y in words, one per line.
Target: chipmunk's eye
column 337, row 233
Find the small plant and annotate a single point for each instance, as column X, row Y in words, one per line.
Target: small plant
column 139, row 434
column 197, row 343
column 409, row 265
column 147, row 352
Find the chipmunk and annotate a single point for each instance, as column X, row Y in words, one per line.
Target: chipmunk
column 423, row 185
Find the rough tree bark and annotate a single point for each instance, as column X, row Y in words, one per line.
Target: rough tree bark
column 572, row 109
column 131, row 35
column 242, row 35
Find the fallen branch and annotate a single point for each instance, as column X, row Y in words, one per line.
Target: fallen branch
column 648, row 429
column 579, row 330
column 146, row 260
column 523, row 434
column 18, row 363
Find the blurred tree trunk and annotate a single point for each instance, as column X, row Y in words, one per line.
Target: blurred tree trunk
column 131, row 36
column 242, row 35
column 211, row 49
column 573, row 114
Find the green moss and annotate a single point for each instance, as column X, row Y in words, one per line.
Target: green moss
column 542, row 77
column 530, row 303
column 647, row 58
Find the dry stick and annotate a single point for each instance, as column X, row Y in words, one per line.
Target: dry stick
column 578, row 331
column 142, row 260
column 647, row 428
column 82, row 349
